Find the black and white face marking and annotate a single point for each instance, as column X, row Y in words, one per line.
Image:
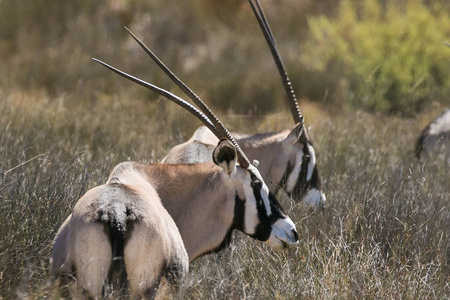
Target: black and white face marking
column 265, row 219
column 258, row 213
column 302, row 178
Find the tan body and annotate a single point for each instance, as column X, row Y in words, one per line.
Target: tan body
column 201, row 199
column 192, row 194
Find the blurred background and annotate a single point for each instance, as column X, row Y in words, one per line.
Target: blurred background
column 376, row 55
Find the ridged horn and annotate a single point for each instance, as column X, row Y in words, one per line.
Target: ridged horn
column 222, row 130
column 181, row 102
column 264, row 25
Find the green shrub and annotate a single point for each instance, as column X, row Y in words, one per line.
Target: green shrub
column 365, row 55
column 386, row 58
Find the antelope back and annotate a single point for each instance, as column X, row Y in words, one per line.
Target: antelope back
column 199, row 148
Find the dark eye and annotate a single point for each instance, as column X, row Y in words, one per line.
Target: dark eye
column 256, row 184
column 307, row 157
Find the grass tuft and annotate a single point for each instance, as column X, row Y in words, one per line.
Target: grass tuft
column 384, row 233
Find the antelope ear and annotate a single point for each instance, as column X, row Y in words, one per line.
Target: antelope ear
column 294, row 136
column 225, row 156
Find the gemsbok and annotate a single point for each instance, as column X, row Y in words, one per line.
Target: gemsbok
column 287, row 158
column 435, row 137
column 117, row 222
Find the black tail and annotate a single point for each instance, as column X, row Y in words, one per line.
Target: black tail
column 114, row 213
column 117, row 274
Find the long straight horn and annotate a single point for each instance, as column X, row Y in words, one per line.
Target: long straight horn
column 181, row 102
column 264, row 25
column 224, row 132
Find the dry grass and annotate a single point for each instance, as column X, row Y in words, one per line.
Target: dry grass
column 384, row 234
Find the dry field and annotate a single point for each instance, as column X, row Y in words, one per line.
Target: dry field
column 385, row 232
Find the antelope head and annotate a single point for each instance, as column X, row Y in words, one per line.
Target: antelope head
column 257, row 212
column 301, row 177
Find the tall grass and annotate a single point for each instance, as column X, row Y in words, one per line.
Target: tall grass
column 384, row 233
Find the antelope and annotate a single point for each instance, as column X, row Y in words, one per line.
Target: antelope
column 288, row 159
column 435, row 137
column 206, row 201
